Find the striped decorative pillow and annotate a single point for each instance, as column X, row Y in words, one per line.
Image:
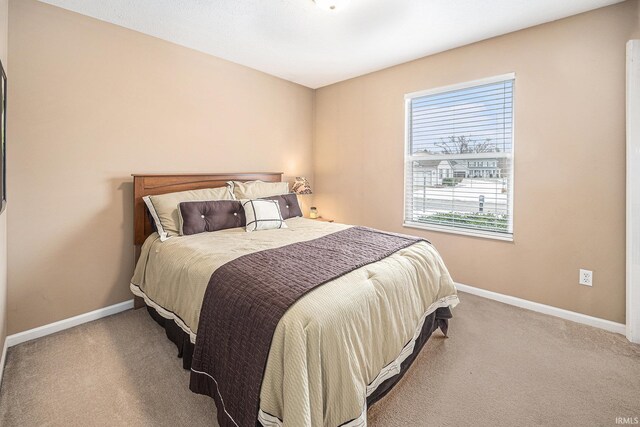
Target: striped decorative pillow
column 263, row 215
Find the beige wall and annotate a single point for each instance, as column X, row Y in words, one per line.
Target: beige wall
column 569, row 158
column 4, row 9
column 92, row 103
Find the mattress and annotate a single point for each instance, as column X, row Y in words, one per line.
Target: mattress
column 334, row 346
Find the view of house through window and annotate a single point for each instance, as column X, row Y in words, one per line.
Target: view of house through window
column 458, row 158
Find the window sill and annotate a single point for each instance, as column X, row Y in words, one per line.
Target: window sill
column 461, row 231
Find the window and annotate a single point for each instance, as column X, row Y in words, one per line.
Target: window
column 467, row 129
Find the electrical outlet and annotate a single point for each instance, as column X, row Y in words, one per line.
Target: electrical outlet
column 586, row 277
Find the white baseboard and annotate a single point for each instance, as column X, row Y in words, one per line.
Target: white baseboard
column 3, row 359
column 61, row 325
column 596, row 322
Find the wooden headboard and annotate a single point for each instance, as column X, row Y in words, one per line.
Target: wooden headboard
column 148, row 185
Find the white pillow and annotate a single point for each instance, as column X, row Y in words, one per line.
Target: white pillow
column 257, row 189
column 263, row 215
column 164, row 207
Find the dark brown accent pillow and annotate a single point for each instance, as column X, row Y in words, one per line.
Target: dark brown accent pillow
column 289, row 206
column 213, row 215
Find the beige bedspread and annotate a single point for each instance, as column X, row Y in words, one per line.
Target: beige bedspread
column 336, row 344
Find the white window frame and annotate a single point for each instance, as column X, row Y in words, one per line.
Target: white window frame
column 509, row 237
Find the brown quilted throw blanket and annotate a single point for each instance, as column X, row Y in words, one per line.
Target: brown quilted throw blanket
column 245, row 300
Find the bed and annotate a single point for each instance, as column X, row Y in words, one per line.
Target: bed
column 336, row 349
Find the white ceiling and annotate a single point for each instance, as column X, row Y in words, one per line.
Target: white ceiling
column 298, row 41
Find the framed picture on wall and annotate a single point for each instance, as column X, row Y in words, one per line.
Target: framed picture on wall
column 3, row 139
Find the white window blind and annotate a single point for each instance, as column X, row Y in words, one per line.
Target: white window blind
column 459, row 158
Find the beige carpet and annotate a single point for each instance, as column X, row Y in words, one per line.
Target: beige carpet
column 501, row 366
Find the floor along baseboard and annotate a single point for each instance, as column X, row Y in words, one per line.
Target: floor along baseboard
column 61, row 325
column 596, row 322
